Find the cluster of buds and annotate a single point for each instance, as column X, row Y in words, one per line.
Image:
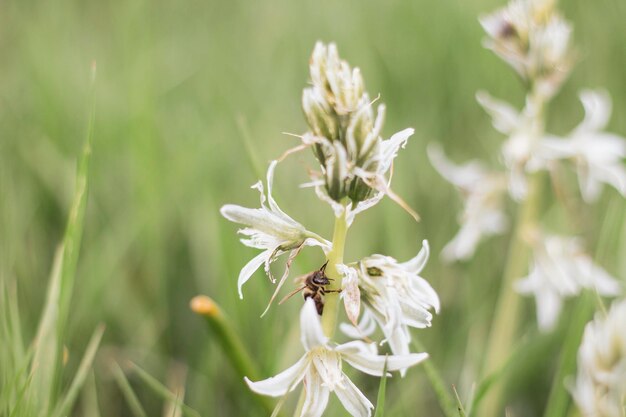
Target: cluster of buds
column 533, row 37
column 345, row 133
column 600, row 388
column 354, row 161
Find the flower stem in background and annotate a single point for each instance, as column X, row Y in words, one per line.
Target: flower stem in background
column 506, row 315
column 335, row 257
column 559, row 399
column 229, row 341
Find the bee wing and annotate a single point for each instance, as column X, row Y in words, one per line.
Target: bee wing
column 291, row 294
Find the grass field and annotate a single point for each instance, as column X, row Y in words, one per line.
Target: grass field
column 191, row 99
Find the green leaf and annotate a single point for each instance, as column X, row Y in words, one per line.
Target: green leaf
column 380, row 400
column 46, row 365
column 131, row 398
column 69, row 398
column 162, row 391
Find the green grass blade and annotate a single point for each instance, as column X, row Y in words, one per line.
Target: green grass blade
column 48, row 343
column 131, row 398
column 89, row 399
column 459, row 403
column 69, row 398
column 162, row 390
column 444, row 397
column 380, row 400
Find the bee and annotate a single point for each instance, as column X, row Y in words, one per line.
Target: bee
column 313, row 286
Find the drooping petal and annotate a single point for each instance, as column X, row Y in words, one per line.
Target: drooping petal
column 466, row 176
column 250, row 268
column 361, row 357
column 597, row 104
column 353, row 399
column 363, row 329
column 282, row 383
column 316, row 395
column 390, row 147
column 350, row 293
column 417, row 264
column 504, row 117
column 312, row 334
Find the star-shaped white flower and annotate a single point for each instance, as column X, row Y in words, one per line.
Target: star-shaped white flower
column 521, row 147
column 482, row 194
column 396, row 297
column 270, row 229
column 560, row 269
column 320, row 368
column 600, row 388
column 597, row 154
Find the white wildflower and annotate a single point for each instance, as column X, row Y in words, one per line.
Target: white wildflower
column 397, row 297
column 482, row 194
column 560, row 269
column 270, row 229
column 321, row 369
column 600, row 388
column 522, row 145
column 535, row 40
column 597, row 154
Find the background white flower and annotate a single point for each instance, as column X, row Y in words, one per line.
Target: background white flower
column 320, row 368
column 482, row 196
column 270, row 229
column 597, row 154
column 560, row 269
column 600, row 388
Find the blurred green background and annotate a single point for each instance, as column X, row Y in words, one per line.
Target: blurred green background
column 192, row 97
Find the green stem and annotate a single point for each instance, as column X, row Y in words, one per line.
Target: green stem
column 506, row 316
column 335, row 257
column 559, row 399
column 232, row 346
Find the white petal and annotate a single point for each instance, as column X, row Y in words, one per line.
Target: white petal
column 597, row 104
column 358, row 355
column 363, row 329
column 416, row 265
column 362, row 206
column 251, row 267
column 548, row 309
column 463, row 244
column 350, row 293
column 282, row 383
column 317, row 394
column 353, row 399
column 390, row 147
column 312, row 334
column 504, row 117
column 466, row 176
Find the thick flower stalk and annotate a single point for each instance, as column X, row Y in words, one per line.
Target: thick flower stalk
column 600, row 387
column 354, row 175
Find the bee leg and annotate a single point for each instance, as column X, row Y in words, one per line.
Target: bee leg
column 337, row 291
